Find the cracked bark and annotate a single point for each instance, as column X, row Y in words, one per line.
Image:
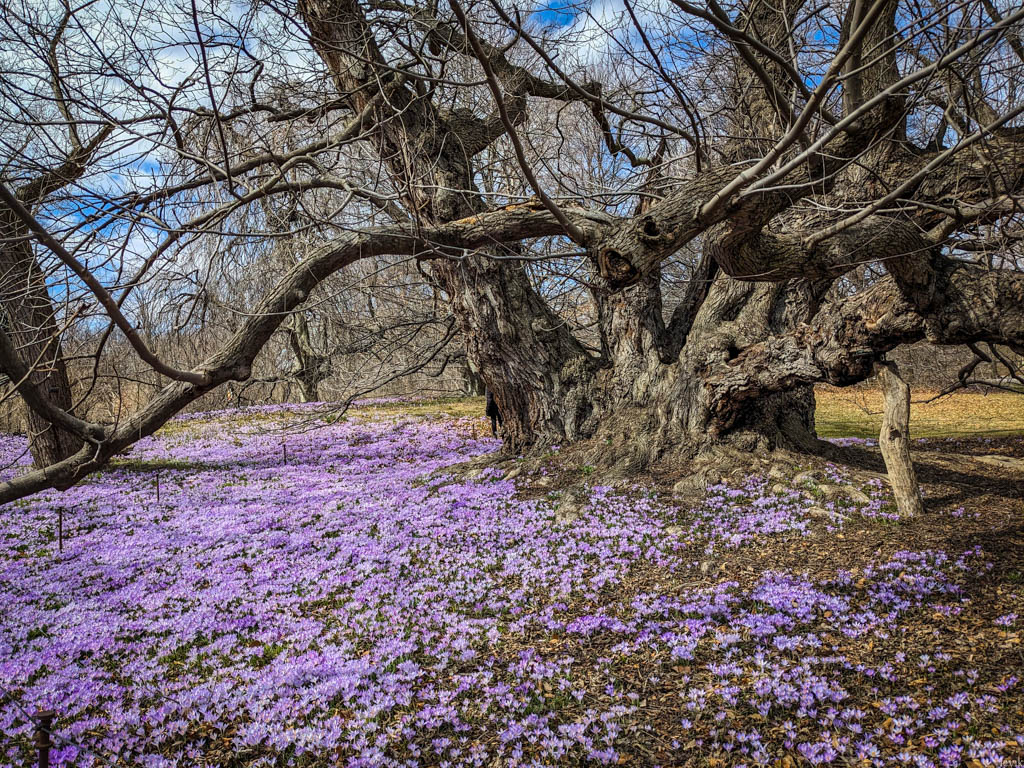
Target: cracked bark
column 737, row 360
column 894, row 441
column 29, row 318
column 541, row 376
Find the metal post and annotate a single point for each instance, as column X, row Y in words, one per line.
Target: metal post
column 44, row 730
column 60, row 529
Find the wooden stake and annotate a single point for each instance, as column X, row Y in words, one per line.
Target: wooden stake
column 157, row 487
column 44, row 729
column 60, row 529
column 894, row 440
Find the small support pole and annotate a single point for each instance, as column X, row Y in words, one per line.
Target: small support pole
column 44, row 732
column 894, row 440
column 158, row 487
column 284, row 450
column 60, row 529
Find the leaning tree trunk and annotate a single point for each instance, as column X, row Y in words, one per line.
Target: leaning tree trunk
column 541, row 376
column 894, row 441
column 29, row 318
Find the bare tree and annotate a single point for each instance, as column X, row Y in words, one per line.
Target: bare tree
column 658, row 227
column 30, row 321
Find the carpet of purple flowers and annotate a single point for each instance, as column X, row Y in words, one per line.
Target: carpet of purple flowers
column 360, row 606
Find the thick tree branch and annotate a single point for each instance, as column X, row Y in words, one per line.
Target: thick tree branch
column 499, row 99
column 843, row 342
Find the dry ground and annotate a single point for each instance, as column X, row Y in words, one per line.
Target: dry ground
column 850, row 412
column 946, row 647
column 857, row 412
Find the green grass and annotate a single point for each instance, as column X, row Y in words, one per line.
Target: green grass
column 853, row 412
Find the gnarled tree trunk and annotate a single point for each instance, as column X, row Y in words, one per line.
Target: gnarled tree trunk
column 541, row 377
column 799, row 159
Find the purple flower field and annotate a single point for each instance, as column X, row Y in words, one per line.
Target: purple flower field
column 357, row 606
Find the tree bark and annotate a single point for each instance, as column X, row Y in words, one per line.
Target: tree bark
column 540, row 374
column 734, row 365
column 472, row 384
column 894, row 441
column 542, row 378
column 29, row 318
column 309, row 368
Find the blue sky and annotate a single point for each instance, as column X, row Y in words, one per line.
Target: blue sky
column 556, row 13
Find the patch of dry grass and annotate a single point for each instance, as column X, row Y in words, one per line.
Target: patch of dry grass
column 444, row 407
column 847, row 412
column 857, row 412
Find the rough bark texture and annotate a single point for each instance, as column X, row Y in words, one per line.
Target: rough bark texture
column 539, row 373
column 541, row 377
column 736, row 362
column 894, row 441
column 310, row 367
column 30, row 322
